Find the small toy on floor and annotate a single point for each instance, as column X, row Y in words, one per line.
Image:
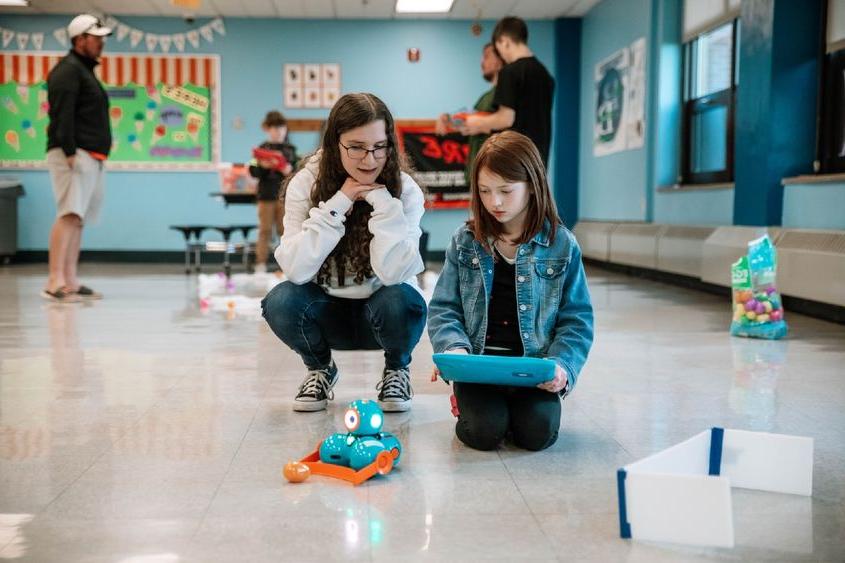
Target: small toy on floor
column 355, row 456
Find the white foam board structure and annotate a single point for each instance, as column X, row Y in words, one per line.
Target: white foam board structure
column 683, row 493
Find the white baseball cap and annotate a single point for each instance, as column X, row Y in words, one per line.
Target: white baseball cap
column 86, row 24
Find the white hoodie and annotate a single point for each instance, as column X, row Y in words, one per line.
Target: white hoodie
column 311, row 233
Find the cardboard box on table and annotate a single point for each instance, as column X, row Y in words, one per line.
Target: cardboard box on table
column 683, row 493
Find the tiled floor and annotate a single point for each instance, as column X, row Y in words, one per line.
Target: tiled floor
column 139, row 429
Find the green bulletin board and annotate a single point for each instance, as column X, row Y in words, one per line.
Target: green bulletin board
column 156, row 126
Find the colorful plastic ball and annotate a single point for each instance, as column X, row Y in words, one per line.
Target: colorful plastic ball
column 760, row 308
column 768, row 306
column 776, row 315
column 363, row 418
column 364, row 452
column 335, row 450
column 775, row 303
column 751, row 315
column 296, row 472
column 391, row 443
column 770, row 290
column 751, row 305
column 764, row 318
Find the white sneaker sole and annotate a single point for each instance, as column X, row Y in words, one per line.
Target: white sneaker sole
column 309, row 406
column 395, row 406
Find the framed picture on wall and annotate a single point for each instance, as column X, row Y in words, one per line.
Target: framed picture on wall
column 331, row 74
column 312, row 75
column 293, row 75
column 330, row 96
column 293, row 96
column 313, row 97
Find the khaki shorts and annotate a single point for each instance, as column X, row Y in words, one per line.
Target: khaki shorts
column 78, row 191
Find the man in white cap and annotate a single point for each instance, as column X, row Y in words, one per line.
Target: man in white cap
column 78, row 143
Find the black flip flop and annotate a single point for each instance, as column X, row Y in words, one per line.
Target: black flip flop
column 88, row 293
column 61, row 295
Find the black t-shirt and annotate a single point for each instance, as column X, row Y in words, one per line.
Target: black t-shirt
column 269, row 180
column 526, row 87
column 502, row 316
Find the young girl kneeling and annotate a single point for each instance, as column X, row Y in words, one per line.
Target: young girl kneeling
column 512, row 285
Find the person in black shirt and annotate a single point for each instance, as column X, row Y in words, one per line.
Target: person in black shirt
column 524, row 92
column 271, row 200
column 78, row 143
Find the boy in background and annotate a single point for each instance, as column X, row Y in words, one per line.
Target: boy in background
column 271, row 202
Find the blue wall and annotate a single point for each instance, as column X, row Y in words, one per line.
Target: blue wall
column 140, row 205
column 612, row 187
column 623, row 186
column 814, row 206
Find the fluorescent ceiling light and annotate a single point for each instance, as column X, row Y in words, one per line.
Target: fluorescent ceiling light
column 423, row 6
column 24, row 3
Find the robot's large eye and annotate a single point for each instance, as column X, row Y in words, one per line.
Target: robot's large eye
column 351, row 419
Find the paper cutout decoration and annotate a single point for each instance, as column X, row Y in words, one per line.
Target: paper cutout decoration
column 59, row 33
column 683, row 493
column 217, row 25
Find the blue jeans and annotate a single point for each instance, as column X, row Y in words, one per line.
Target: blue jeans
column 312, row 322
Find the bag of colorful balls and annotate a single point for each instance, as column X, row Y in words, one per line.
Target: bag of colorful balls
column 758, row 309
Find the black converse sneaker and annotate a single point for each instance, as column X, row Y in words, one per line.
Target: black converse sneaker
column 395, row 390
column 316, row 389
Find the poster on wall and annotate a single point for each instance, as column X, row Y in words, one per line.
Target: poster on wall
column 163, row 110
column 439, row 162
column 635, row 117
column 619, row 118
column 609, row 128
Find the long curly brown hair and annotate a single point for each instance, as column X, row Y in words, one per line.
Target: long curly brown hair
column 352, row 253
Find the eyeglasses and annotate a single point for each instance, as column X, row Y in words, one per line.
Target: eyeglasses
column 360, row 153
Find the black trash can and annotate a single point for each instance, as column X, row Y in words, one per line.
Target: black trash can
column 10, row 190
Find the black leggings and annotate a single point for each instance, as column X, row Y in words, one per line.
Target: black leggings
column 488, row 412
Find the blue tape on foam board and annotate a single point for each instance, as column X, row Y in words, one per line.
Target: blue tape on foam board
column 624, row 526
column 717, row 436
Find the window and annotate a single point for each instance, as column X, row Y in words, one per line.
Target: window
column 831, row 148
column 710, row 79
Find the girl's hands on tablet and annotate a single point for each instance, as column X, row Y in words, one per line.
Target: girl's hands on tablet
column 436, row 373
column 557, row 384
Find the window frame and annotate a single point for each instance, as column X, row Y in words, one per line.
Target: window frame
column 831, row 116
column 694, row 106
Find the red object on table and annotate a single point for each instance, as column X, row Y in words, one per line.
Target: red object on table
column 279, row 160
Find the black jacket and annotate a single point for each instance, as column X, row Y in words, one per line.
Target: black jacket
column 270, row 181
column 79, row 107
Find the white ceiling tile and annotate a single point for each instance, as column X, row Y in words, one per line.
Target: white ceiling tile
column 369, row 9
column 258, row 8
column 581, row 8
column 322, row 9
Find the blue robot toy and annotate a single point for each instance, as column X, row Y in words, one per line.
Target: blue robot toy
column 364, row 440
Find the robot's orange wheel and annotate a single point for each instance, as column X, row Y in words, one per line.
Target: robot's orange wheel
column 384, row 462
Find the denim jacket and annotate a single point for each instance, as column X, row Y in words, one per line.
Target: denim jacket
column 555, row 313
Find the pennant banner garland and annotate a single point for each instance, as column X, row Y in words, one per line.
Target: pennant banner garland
column 136, row 36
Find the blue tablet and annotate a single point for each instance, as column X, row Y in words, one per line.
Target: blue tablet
column 495, row 370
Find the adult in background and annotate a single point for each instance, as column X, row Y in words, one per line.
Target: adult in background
column 524, row 91
column 491, row 64
column 78, row 143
